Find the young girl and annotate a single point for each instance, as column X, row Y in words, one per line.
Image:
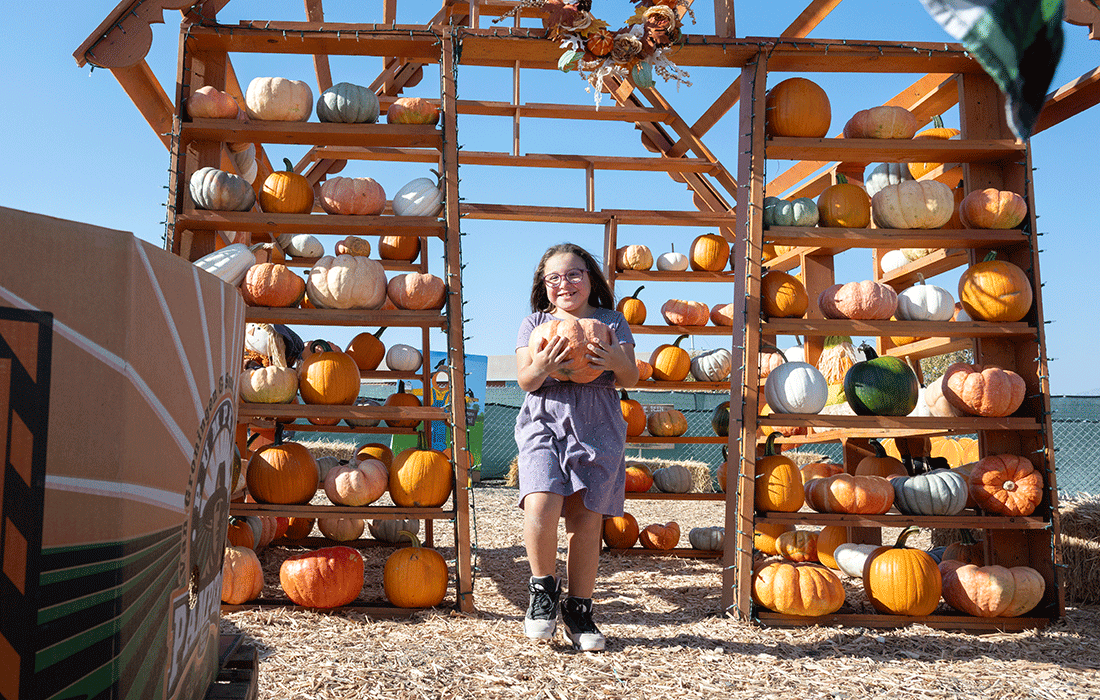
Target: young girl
column 571, row 440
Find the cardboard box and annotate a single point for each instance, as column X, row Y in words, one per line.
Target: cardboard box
column 118, row 402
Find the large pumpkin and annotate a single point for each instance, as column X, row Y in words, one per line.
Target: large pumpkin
column 358, row 483
column 844, row 205
column 632, row 308
column 282, row 473
column 1006, row 485
column 412, row 110
column 797, row 107
column 991, row 208
column 913, row 205
column 620, row 532
column 881, row 386
column 778, row 481
column 415, row 576
column 847, row 493
column 902, row 581
column 864, row 301
column 278, row 99
column 242, row 575
column 218, row 190
column 417, row 291
column 938, row 492
column 578, row 333
column 886, row 122
column 324, row 578
column 789, row 588
column 353, row 196
column 796, row 387
column 347, row 282
column 211, row 103
column 286, row 192
column 347, row 103
column 983, row 391
column 328, row 377
column 633, row 414
column 680, row 312
column 995, row 290
column 709, row 252
column 671, row 363
column 420, row 478
column 272, row 285
column 991, row 591
column 783, row 295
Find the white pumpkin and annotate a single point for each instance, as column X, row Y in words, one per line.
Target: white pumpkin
column 795, row 353
column 850, row 557
column 894, row 259
column 421, row 197
column 230, row 264
column 712, row 366
column 268, row 385
column 913, row 205
column 912, row 254
column 672, row 261
column 347, row 282
column 796, row 387
column 390, row 530
column 403, row 358
column 364, row 422
column 278, row 99
column 939, row 492
column 301, row 245
column 925, row 302
column 884, row 174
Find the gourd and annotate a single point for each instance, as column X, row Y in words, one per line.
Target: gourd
column 415, row 576
column 707, row 539
column 346, row 282
column 661, row 537
column 208, row 102
column 801, row 211
column 885, row 122
column 847, row 493
column 419, row 197
column 851, row 557
column 680, row 312
column 913, row 205
column 356, row 484
column 797, row 545
column 228, row 264
column 995, row 290
column 420, row 478
column 675, row 478
column 925, row 302
column 836, row 358
column 672, row 261
column 670, row 423
column 620, row 532
column 712, row 365
column 633, row 257
column 282, row 472
column 1006, row 485
column 367, row 349
column 633, row 414
column 417, row 291
column 938, row 131
column 286, row 192
column 778, row 485
column 402, row 398
column 218, row 190
column 902, row 581
column 632, row 308
column 242, row 575
column 341, row 529
column 865, row 301
column 353, row 196
column 764, row 536
column 797, row 107
column 796, row 387
column 364, row 422
column 578, row 333
column 991, row 591
column 722, row 314
column 709, row 253
column 939, row 492
column 983, row 391
column 323, row 578
column 844, row 205
column 328, row 376
column 412, row 110
column 600, row 43
column 671, row 363
column 390, row 530
column 272, row 285
column 402, row 248
column 783, row 295
column 347, row 103
column 638, row 480
column 992, row 209
column 403, row 358
column 301, row 245
column 881, row 386
column 278, row 99
column 790, row 588
column 884, row 174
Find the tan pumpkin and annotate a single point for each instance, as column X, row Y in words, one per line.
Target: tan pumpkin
column 722, row 314
column 341, row 529
column 579, row 333
column 347, row 282
column 678, row 312
column 791, row 588
column 353, row 196
column 272, row 285
column 995, row 290
column 671, row 363
column 977, row 390
column 991, row 591
column 913, row 205
column 402, row 398
column 324, row 578
column 844, row 205
column 278, row 99
column 886, row 122
column 992, row 209
column 660, row 537
column 633, row 414
column 420, row 477
column 632, row 308
column 937, row 403
column 783, row 295
column 865, row 301
column 670, row 423
column 633, row 257
column 1006, row 485
column 353, row 245
column 417, row 291
column 242, row 575
column 847, row 493
column 415, row 576
column 709, row 252
column 211, row 103
column 400, row 248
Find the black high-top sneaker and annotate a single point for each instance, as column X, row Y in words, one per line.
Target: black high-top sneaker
column 576, row 613
column 542, row 613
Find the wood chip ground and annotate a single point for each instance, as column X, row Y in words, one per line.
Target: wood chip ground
column 665, row 639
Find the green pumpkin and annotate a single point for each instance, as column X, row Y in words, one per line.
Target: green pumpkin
column 797, row 212
column 720, row 419
column 348, row 103
column 881, row 386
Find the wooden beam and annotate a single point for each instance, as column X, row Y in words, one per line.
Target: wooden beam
column 149, row 97
column 1071, row 99
column 723, row 18
column 316, row 13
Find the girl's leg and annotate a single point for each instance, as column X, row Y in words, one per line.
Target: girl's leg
column 541, row 512
column 584, row 531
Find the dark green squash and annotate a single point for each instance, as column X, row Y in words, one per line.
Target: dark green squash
column 881, row 386
column 720, row 419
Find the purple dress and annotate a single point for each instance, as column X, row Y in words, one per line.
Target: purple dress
column 572, row 437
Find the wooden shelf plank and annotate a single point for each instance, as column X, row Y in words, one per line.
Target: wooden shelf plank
column 681, row 330
column 582, row 162
column 927, row 423
column 658, row 217
column 681, row 552
column 388, row 265
column 346, row 317
column 656, row 385
column 912, row 329
column 561, row 111
column 894, row 150
column 301, row 410
column 663, row 276
column 412, row 42
column 930, row 347
column 522, row 212
column 374, row 153
column 977, row 522
column 930, row 265
column 331, row 511
column 657, row 496
column 949, row 622
column 824, row 237
column 682, row 440
column 340, row 428
column 311, row 133
column 316, row 224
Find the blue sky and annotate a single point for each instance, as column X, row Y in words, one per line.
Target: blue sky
column 91, row 157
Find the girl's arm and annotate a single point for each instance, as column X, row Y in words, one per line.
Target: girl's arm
column 532, row 369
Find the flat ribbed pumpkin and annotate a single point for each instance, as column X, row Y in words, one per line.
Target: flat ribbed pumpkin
column 353, row 196
column 885, row 122
column 1007, row 485
column 579, row 333
column 991, row 591
column 847, row 493
column 680, row 312
column 272, row 285
column 913, row 205
column 983, row 391
column 347, row 282
column 789, row 588
column 992, row 209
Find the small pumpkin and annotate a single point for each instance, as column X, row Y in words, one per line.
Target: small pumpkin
column 244, row 531
column 844, row 205
column 358, row 483
column 995, row 290
column 638, row 479
column 797, row 545
column 367, row 350
column 346, row 282
column 978, row 390
column 353, row 245
column 420, row 478
column 415, row 576
column 939, row 132
column 885, row 122
column 633, row 414
column 272, row 285
column 420, row 197
column 273, row 384
column 579, row 333
column 600, row 43
column 645, row 370
column 881, row 386
column 218, row 190
column 778, row 483
column 938, row 492
column 850, row 557
column 722, row 314
column 672, row 261
column 992, row 209
column 709, row 252
column 679, row 312
column 674, row 478
column 660, row 537
column 399, row 248
column 341, row 529
column 242, row 575
column 847, row 493
column 286, row 192
column 632, row 308
column 402, row 398
column 412, row 110
column 620, row 532
column 791, row 588
column 670, row 423
column 328, row 377
column 389, row 530
column 937, row 402
column 828, row 539
column 801, row 211
column 323, row 578
column 991, row 591
column 353, row 196
column 707, row 539
column 797, row 107
column 783, row 295
column 913, row 205
column 712, row 365
column 720, row 419
column 967, row 549
column 347, row 103
column 375, row 450
column 1006, row 485
column 671, row 363
column 301, row 245
column 403, row 358
column 819, row 470
column 899, row 580
column 893, row 260
column 796, row 387
column 633, row 257
column 765, row 534
column 880, row 464
column 278, row 99
column 925, row 302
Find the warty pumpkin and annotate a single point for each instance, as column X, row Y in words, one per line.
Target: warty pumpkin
column 412, row 110
column 579, row 333
column 347, row 103
column 991, row 591
column 242, row 575
column 847, row 493
column 797, row 107
column 420, row 477
column 633, row 414
column 778, row 483
column 995, row 290
column 346, row 282
column 417, row 291
column 992, row 209
column 865, row 301
column 783, row 295
column 671, row 363
column 844, row 205
column 415, row 576
column 797, row 545
column 1006, row 485
column 709, row 252
column 620, row 532
column 680, row 312
column 885, row 122
column 324, row 578
column 902, row 581
column 272, row 285
column 278, row 99
column 978, row 390
column 352, row 196
column 632, row 308
column 286, row 192
column 328, row 377
column 791, row 588
column 633, row 257
column 660, row 537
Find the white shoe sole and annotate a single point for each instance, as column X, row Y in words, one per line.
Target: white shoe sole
column 586, row 642
column 540, row 630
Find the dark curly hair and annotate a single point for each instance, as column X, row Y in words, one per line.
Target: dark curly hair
column 600, row 296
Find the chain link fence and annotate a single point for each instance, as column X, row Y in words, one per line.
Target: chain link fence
column 1076, row 422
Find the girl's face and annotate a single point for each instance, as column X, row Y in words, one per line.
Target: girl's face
column 567, row 285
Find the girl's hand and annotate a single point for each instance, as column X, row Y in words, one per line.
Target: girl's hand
column 616, row 358
column 552, row 356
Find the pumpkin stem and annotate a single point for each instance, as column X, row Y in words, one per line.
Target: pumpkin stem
column 868, row 351
column 920, row 278
column 968, row 537
column 325, row 347
column 673, row 245
column 676, row 343
column 378, row 333
column 905, row 535
column 636, row 292
column 769, row 445
column 841, row 179
column 990, row 256
column 411, row 536
column 278, row 433
column 623, row 395
column 937, row 122
column 880, row 451
column 289, row 165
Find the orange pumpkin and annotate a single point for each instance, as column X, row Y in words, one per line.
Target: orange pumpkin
column 670, row 423
column 722, row 314
column 995, row 290
column 638, row 479
column 633, row 414
column 272, row 285
column 886, row 122
column 671, row 363
column 401, row 398
column 983, row 391
column 992, row 208
column 632, row 308
column 415, row 577
column 579, row 333
column 797, row 107
column 844, row 205
column 417, row 291
column 282, row 472
column 783, row 295
column 412, row 110
column 939, row 132
column 797, row 545
column 375, row 450
column 328, row 377
column 880, row 464
column 244, row 531
column 211, row 103
column 367, row 350
column 828, row 539
column 420, row 478
column 299, row 528
column 620, row 532
column 242, row 575
column 678, row 312
column 1007, row 485
column 600, row 43
column 820, row 470
column 324, row 578
column 789, row 588
column 286, row 192
column 401, row 248
column 847, row 493
column 645, row 370
column 661, row 537
column 709, row 252
column 778, row 481
column 967, row 550
column 902, row 581
column 765, row 535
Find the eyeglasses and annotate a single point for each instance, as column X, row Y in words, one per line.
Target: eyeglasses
column 570, row 276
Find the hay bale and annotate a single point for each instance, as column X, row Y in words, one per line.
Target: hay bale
column 341, row 450
column 513, row 474
column 1080, row 547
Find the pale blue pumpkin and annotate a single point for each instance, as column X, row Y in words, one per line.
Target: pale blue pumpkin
column 346, row 103
column 797, row 212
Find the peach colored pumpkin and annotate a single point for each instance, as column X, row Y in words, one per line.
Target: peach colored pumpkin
column 645, row 370
column 412, row 110
column 820, row 470
column 356, row 196
column 867, row 300
column 210, row 103
column 846, row 493
column 992, row 208
column 662, row 537
column 678, row 312
column 272, row 285
column 991, row 591
column 417, row 291
column 358, row 483
column 937, row 402
column 722, row 314
column 578, row 332
column 1006, row 485
column 886, row 122
column 983, row 391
